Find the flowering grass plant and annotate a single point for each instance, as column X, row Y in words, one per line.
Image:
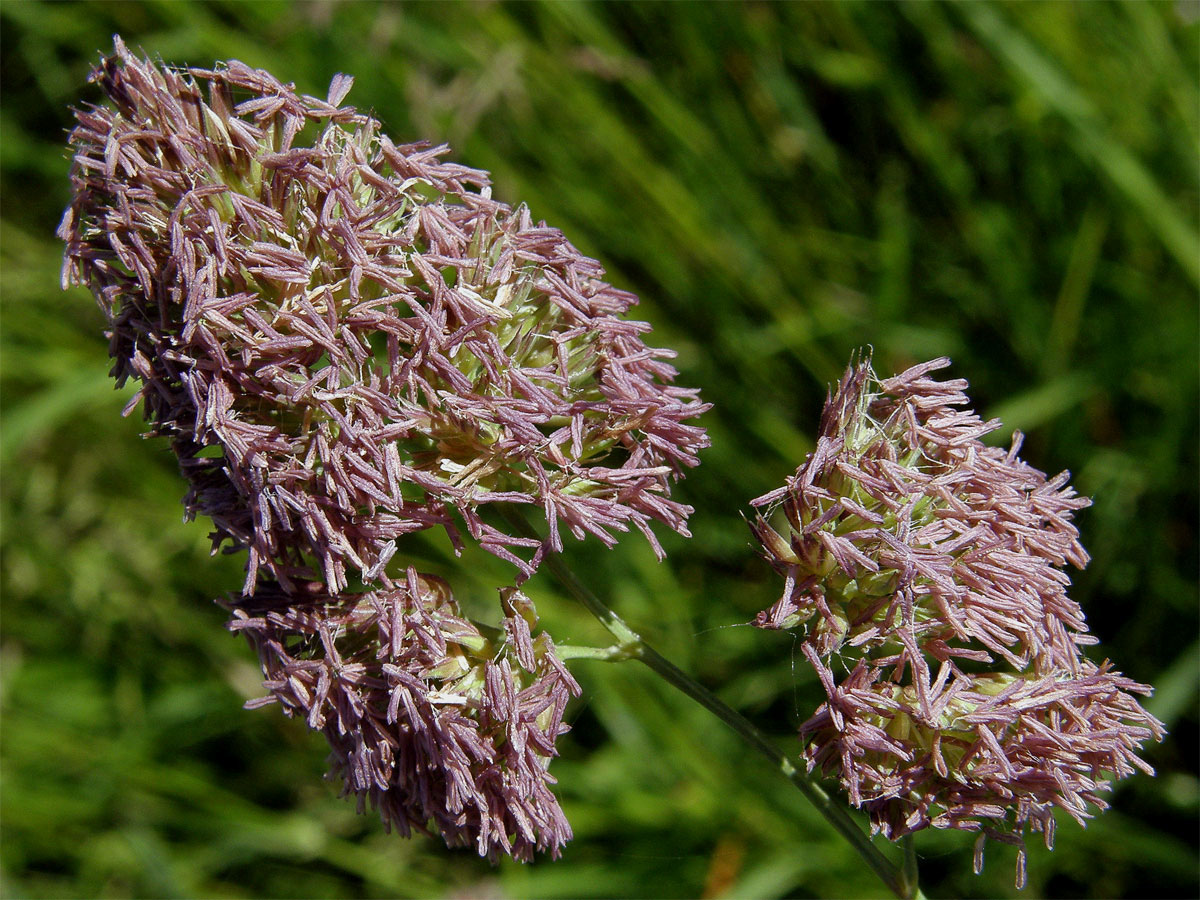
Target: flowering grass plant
column 347, row 341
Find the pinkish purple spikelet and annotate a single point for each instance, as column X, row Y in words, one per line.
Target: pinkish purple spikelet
column 438, row 726
column 929, row 568
column 370, row 341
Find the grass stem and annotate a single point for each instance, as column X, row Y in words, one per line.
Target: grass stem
column 902, row 883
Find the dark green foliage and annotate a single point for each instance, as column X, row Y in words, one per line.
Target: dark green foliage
column 1014, row 186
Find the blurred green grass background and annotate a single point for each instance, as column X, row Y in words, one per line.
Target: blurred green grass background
column 1013, row 185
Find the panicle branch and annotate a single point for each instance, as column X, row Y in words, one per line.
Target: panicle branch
column 435, row 724
column 924, row 573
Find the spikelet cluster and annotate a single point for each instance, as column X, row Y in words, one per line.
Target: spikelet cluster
column 438, row 725
column 346, row 341
column 924, row 573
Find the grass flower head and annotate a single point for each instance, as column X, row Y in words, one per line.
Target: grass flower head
column 348, row 340
column 924, row 571
column 436, row 724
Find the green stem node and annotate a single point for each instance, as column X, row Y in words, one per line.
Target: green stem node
column 631, row 646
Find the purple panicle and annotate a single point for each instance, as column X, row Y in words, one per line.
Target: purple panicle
column 436, row 725
column 348, row 340
column 929, row 567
